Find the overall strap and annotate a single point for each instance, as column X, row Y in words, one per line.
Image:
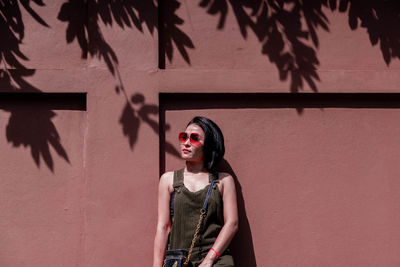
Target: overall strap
column 215, row 176
column 213, row 180
column 177, row 184
column 178, row 178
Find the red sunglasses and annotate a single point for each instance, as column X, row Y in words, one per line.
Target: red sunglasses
column 194, row 138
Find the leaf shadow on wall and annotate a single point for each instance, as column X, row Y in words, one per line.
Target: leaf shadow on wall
column 136, row 111
column 170, row 34
column 29, row 125
column 243, row 238
column 287, row 30
column 84, row 20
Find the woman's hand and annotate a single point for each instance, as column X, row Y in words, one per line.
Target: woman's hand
column 230, row 227
column 209, row 259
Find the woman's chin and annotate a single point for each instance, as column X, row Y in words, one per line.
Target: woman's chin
column 189, row 157
column 185, row 156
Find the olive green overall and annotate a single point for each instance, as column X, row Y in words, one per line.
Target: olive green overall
column 187, row 206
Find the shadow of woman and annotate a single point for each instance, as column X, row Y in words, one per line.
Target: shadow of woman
column 242, row 244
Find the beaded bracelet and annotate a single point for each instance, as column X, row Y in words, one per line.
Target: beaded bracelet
column 217, row 253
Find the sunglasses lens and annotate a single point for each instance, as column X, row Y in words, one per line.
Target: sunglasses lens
column 183, row 137
column 194, row 137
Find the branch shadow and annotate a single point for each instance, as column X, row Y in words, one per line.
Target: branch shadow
column 27, row 126
column 381, row 19
column 84, row 19
column 32, row 127
column 287, row 30
column 278, row 27
column 170, row 34
column 136, row 111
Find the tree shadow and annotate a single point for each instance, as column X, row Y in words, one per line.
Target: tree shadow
column 170, row 34
column 83, row 26
column 135, row 111
column 381, row 19
column 83, row 18
column 243, row 238
column 278, row 27
column 33, row 128
column 12, row 32
column 287, row 32
column 27, row 126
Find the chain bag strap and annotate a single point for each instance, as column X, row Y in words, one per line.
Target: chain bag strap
column 202, row 215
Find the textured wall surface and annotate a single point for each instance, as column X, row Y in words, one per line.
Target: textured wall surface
column 317, row 177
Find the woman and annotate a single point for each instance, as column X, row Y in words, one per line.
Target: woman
column 202, row 147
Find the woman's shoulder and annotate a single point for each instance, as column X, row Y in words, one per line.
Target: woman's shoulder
column 167, row 180
column 224, row 176
column 225, row 181
column 167, row 175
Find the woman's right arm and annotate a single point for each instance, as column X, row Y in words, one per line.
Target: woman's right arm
column 163, row 221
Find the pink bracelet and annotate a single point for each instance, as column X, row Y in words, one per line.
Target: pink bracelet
column 217, row 253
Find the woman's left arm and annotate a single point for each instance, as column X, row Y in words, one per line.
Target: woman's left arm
column 231, row 221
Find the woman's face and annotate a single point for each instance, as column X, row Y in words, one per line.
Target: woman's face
column 192, row 143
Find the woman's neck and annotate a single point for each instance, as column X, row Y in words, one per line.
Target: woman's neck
column 195, row 167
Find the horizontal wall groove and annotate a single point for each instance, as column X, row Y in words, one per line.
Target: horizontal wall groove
column 40, row 100
column 184, row 101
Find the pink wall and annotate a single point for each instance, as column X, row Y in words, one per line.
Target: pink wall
column 316, row 183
